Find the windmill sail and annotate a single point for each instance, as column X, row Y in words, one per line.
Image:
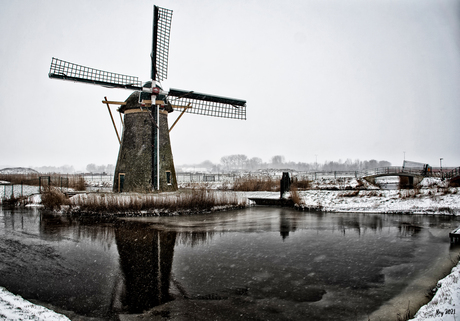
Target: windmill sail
column 160, row 43
column 61, row 69
column 208, row 105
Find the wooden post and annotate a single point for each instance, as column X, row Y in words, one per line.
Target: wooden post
column 185, row 108
column 113, row 122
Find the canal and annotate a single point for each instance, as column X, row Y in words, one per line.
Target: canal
column 258, row 263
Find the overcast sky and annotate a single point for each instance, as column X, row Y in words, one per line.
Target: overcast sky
column 323, row 80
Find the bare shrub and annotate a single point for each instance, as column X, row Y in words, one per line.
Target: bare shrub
column 77, row 183
column 295, row 197
column 250, row 184
column 20, row 178
column 53, row 198
column 301, row 183
column 349, row 194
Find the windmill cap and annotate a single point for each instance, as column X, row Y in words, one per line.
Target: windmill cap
column 132, row 102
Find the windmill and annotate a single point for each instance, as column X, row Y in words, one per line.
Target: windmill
column 145, row 161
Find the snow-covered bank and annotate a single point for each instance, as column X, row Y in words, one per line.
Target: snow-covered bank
column 423, row 201
column 13, row 307
column 443, row 306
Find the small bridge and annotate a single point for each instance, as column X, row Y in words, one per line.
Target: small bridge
column 407, row 176
column 410, row 176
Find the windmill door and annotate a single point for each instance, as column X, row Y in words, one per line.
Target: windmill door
column 121, row 182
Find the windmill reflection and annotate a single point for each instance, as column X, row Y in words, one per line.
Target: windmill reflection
column 146, row 257
column 288, row 223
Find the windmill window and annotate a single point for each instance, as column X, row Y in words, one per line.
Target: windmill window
column 168, row 177
column 121, row 182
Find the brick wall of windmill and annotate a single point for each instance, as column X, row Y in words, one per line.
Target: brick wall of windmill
column 135, row 154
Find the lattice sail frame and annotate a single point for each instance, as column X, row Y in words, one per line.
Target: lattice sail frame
column 200, row 104
column 208, row 105
column 61, row 69
column 160, row 43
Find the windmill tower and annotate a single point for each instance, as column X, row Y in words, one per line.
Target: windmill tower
column 145, row 161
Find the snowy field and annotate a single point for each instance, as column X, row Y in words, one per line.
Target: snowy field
column 433, row 197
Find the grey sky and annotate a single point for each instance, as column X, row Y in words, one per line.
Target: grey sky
column 331, row 79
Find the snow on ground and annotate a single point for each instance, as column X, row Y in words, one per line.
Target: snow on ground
column 446, row 300
column 18, row 171
column 13, row 307
column 429, row 201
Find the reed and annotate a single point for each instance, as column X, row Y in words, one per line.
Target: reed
column 197, row 200
column 295, row 197
column 75, row 182
column 252, row 184
column 301, row 183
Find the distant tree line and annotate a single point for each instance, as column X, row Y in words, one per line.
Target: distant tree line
column 69, row 169
column 64, row 169
column 100, row 169
column 239, row 162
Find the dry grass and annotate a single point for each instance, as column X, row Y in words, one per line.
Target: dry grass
column 259, row 184
column 349, row 193
column 301, row 183
column 52, row 198
column 197, row 200
column 75, row 182
column 19, row 178
column 295, row 197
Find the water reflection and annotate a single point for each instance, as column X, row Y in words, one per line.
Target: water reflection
column 270, row 263
column 146, row 257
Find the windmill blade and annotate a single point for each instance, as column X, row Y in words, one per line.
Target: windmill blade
column 61, row 69
column 208, row 105
column 160, row 43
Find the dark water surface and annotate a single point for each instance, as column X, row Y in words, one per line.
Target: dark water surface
column 263, row 263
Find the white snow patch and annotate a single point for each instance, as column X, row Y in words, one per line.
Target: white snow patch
column 14, row 307
column 18, row 170
column 443, row 306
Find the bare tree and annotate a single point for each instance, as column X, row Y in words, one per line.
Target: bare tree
column 254, row 163
column 277, row 161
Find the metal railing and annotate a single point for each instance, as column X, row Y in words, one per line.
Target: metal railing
column 393, row 170
column 451, row 174
column 204, row 177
